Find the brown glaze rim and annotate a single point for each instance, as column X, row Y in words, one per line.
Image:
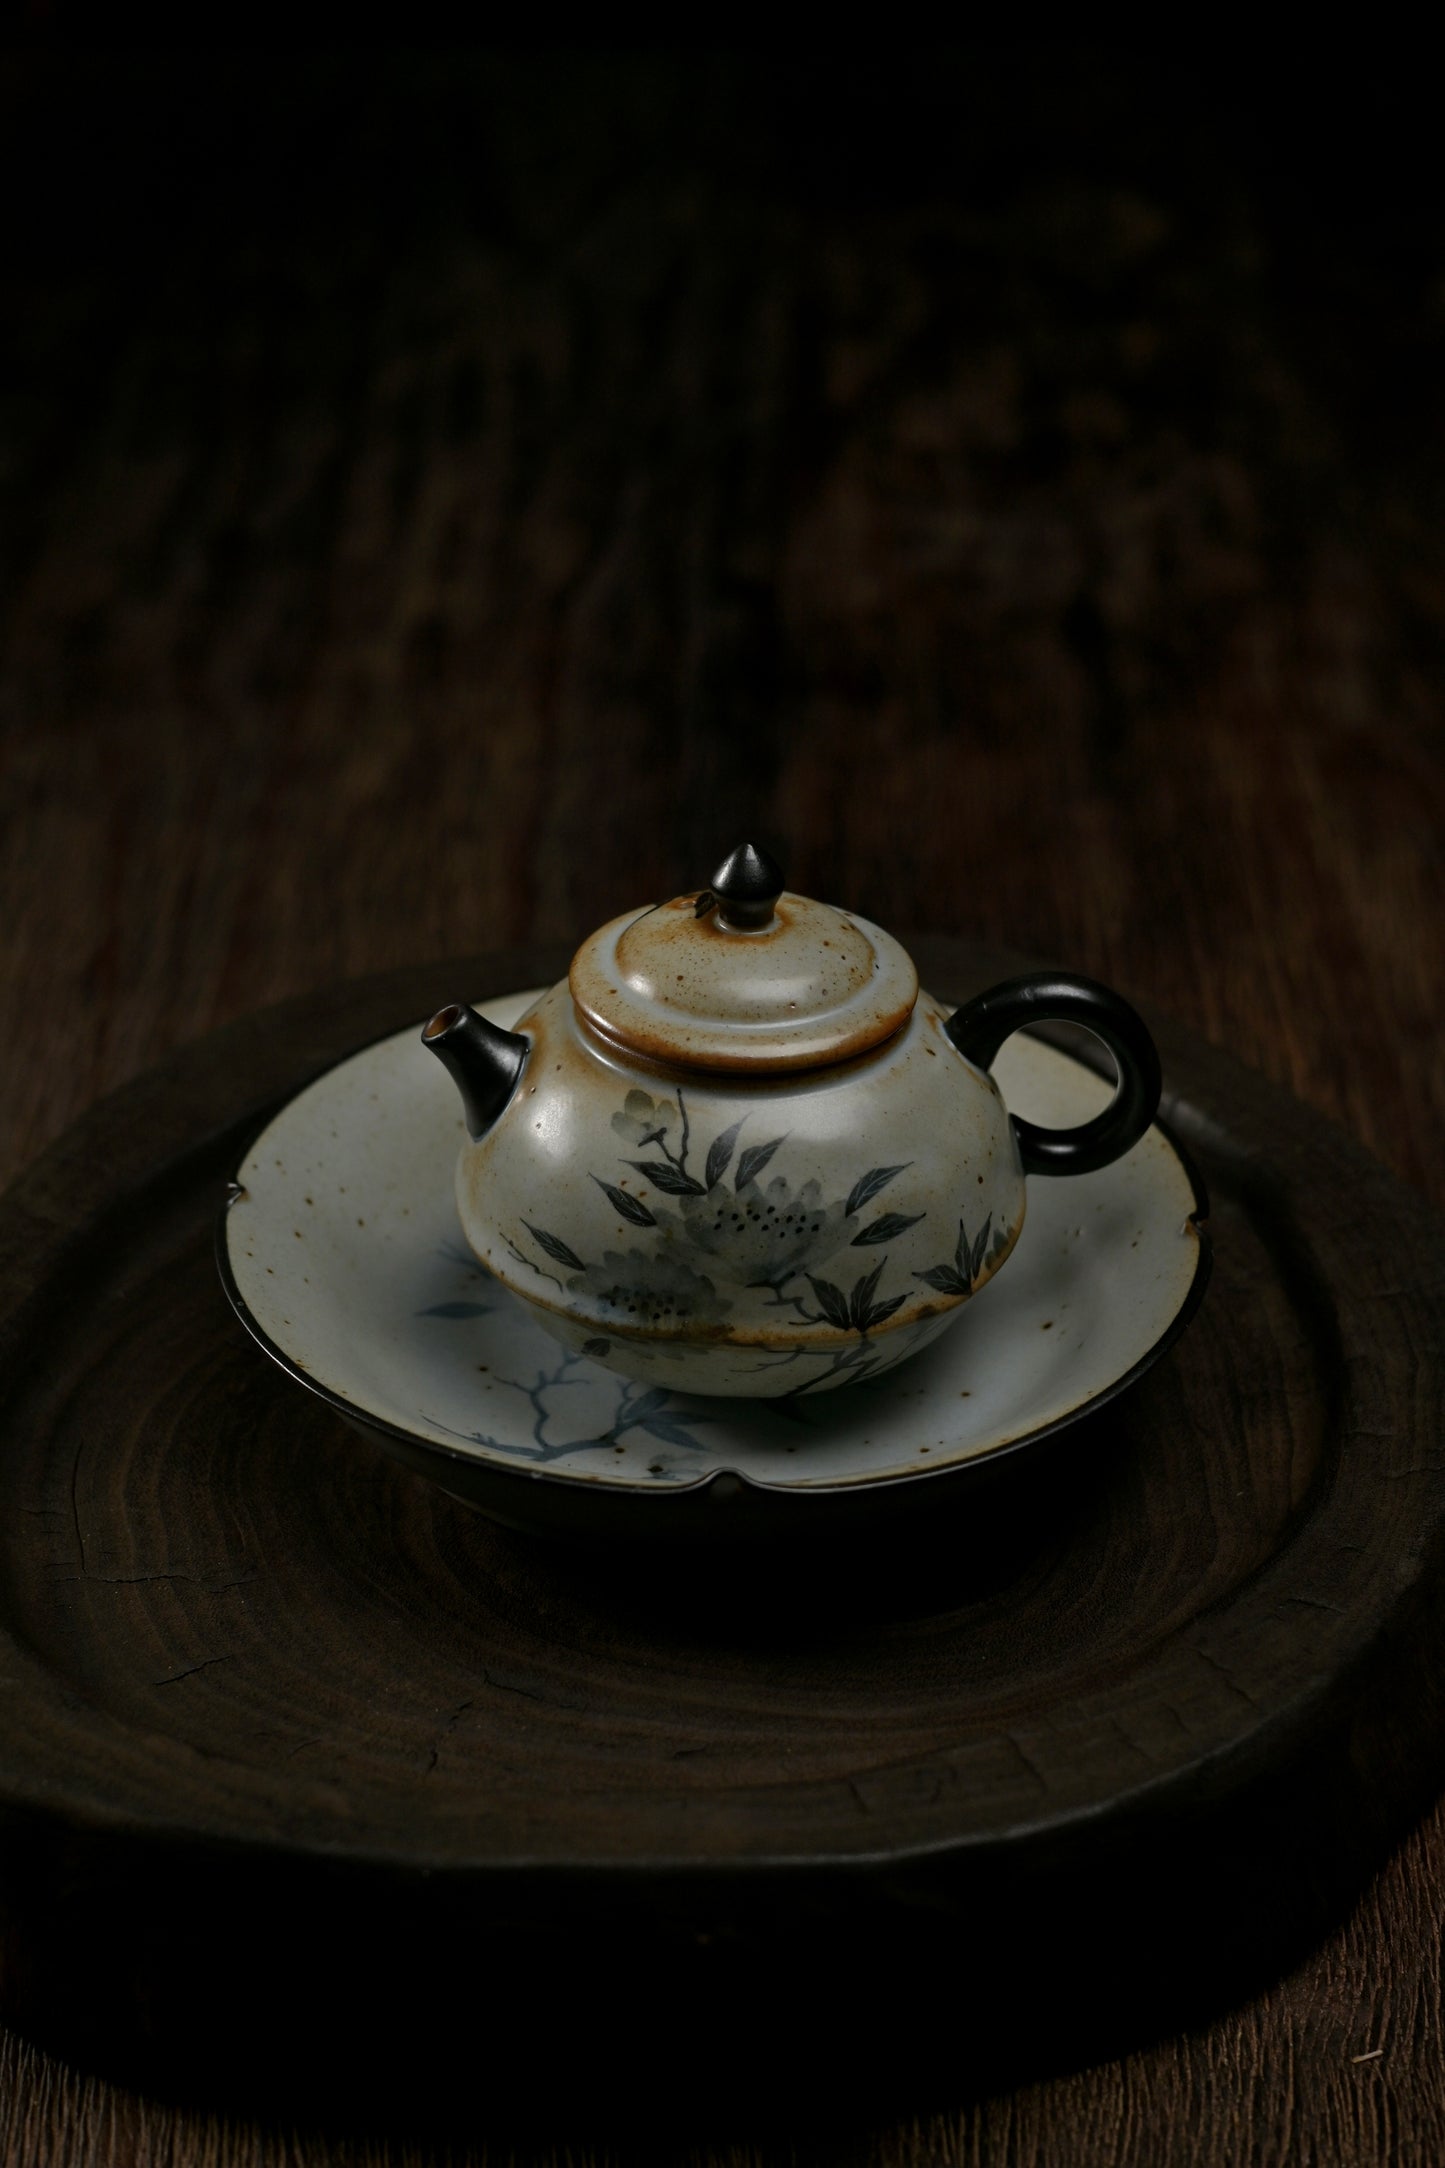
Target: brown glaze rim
column 743, row 1073
column 659, row 1053
column 826, row 1336
column 658, row 1049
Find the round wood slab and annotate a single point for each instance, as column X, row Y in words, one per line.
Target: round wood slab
column 287, row 1730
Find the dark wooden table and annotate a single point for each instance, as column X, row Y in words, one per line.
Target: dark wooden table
column 446, row 499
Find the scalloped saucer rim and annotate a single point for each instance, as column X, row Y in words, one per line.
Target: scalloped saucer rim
column 384, row 1116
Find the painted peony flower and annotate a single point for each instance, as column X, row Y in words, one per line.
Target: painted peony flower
column 652, row 1292
column 762, row 1234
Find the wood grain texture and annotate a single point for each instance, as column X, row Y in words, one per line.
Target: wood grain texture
column 444, row 501
column 1168, row 1693
column 155, row 1467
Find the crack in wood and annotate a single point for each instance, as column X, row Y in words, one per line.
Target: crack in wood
column 191, row 1669
column 434, row 1752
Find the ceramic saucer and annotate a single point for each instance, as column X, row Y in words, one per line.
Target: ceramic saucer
column 341, row 1252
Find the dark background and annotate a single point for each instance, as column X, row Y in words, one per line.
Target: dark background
column 447, row 497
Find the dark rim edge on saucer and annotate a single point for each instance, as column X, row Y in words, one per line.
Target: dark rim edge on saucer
column 419, row 1443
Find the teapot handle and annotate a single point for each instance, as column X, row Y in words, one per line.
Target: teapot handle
column 980, row 1027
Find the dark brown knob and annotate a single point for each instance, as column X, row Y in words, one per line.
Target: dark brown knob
column 746, row 886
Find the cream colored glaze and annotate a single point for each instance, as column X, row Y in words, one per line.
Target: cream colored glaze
column 713, row 1287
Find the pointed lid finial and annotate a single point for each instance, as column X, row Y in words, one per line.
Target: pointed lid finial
column 746, row 885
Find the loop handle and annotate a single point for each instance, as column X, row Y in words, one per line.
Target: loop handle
column 981, row 1026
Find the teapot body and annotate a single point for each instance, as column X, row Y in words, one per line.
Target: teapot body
column 739, row 1151
column 743, row 1235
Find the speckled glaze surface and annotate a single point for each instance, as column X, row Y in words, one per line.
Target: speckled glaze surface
column 738, row 1235
column 679, row 985
column 343, row 1257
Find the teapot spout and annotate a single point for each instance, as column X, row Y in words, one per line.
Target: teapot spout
column 484, row 1060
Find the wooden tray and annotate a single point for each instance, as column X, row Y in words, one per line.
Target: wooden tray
column 287, row 1732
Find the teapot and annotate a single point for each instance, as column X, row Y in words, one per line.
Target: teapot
column 739, row 1151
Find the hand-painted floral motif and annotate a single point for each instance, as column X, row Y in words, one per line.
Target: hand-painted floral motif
column 732, row 1228
column 960, row 1275
column 643, row 1119
column 761, row 1237
column 647, row 1411
column 640, row 1289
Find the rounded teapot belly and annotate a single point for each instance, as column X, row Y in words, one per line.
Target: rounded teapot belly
column 739, row 1371
column 729, row 1236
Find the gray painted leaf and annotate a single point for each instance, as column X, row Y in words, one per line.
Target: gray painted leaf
column 861, row 1299
column 885, row 1229
column 671, row 1433
column 655, row 1398
column 664, row 1176
column 555, row 1247
column 867, row 1186
column 720, row 1154
column 627, row 1207
column 752, row 1162
column 881, row 1311
column 834, row 1302
column 945, row 1279
column 980, row 1248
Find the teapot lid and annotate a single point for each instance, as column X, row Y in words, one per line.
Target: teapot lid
column 744, row 976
